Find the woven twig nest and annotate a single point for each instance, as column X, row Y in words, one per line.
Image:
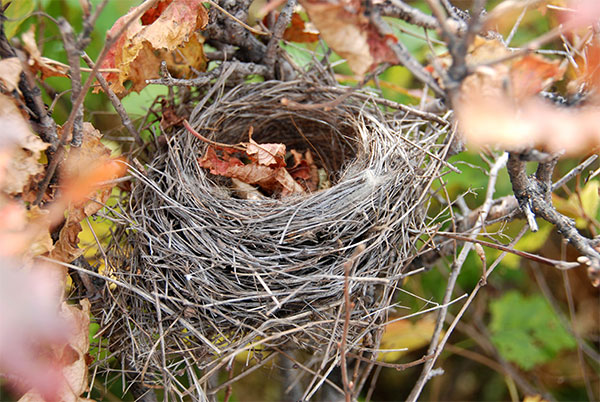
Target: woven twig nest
column 229, row 273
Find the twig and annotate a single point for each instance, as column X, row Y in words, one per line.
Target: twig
column 242, row 374
column 282, row 22
column 561, row 265
column 116, row 102
column 348, row 306
column 242, row 23
column 574, row 172
column 397, row 366
column 68, row 126
column 228, row 27
column 240, row 70
column 73, row 54
column 434, row 347
column 401, row 10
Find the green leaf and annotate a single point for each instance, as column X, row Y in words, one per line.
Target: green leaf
column 526, row 330
column 580, row 206
column 16, row 14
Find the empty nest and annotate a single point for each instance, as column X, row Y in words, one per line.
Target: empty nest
column 209, row 274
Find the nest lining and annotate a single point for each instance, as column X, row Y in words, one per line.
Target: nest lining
column 238, row 270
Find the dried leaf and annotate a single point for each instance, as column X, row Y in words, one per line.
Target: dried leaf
column 520, row 78
column 48, row 67
column 266, row 154
column 218, row 166
column 272, row 179
column 531, row 74
column 246, row 191
column 66, row 248
column 345, row 28
column 497, row 105
column 297, row 31
column 26, row 148
column 85, row 169
column 166, row 32
column 42, row 242
column 532, row 123
column 10, row 73
column 304, row 170
column 71, row 357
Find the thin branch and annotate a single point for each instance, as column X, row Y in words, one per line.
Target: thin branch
column 68, row 126
column 401, row 10
column 116, row 102
column 282, row 22
column 435, row 347
column 561, row 265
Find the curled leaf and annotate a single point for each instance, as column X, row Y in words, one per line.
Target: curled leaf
column 166, row 32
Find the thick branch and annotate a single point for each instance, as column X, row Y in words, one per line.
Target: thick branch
column 534, row 197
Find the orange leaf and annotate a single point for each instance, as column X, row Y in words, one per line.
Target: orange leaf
column 166, row 32
column 531, row 74
column 297, row 32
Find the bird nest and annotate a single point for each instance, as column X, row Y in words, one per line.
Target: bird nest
column 209, row 273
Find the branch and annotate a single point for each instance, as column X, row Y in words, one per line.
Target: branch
column 282, row 22
column 435, row 347
column 404, row 56
column 114, row 99
column 534, row 195
column 399, row 9
column 68, row 126
column 237, row 69
column 224, row 29
column 41, row 122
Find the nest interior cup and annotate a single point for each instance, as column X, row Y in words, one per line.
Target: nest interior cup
column 226, row 271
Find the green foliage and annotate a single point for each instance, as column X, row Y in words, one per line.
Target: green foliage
column 16, row 14
column 526, row 331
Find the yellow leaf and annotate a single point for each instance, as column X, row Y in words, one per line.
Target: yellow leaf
column 534, row 398
column 405, row 335
column 577, row 208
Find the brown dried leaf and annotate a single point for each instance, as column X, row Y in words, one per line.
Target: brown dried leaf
column 48, row 67
column 42, row 242
column 65, row 249
column 166, row 32
column 266, row 154
column 276, row 180
column 345, row 28
column 304, row 170
column 26, row 149
column 10, row 73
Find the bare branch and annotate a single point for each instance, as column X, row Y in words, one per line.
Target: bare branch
column 534, row 197
column 435, row 347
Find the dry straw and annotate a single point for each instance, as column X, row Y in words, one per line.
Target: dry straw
column 210, row 274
